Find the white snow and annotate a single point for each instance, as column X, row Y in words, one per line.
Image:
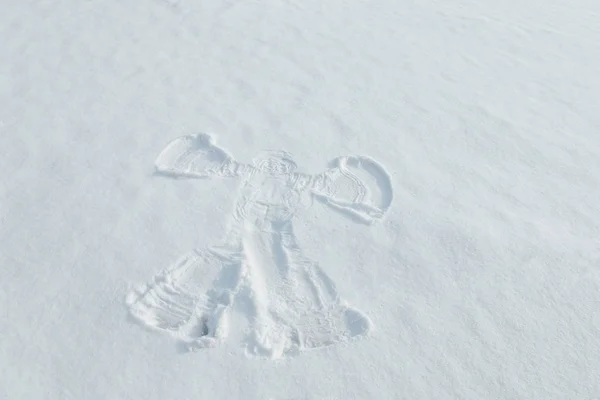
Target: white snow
column 439, row 162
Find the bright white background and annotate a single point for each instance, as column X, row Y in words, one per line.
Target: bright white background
column 483, row 281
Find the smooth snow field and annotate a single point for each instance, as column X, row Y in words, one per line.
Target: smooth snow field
column 300, row 199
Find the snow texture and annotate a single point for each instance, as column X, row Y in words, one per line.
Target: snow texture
column 435, row 234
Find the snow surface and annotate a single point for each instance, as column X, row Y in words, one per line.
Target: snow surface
column 456, row 236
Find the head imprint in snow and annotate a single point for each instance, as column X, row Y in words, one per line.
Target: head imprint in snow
column 274, row 162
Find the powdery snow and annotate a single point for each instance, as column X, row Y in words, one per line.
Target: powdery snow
column 293, row 200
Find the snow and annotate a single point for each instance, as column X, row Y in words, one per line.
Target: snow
column 459, row 224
